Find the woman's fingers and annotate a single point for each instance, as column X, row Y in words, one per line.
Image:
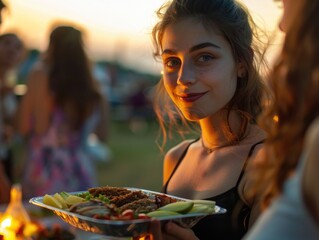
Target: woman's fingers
column 155, row 230
column 170, row 231
column 178, row 232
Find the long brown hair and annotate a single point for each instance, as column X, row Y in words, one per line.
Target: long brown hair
column 70, row 76
column 295, row 84
column 238, row 28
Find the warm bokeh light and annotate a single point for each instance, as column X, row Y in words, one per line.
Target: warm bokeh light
column 114, row 29
column 15, row 223
column 20, row 89
column 276, row 118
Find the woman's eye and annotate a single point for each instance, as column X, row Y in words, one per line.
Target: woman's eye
column 172, row 63
column 205, row 58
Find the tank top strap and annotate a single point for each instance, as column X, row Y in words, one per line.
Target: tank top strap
column 164, row 188
column 250, row 153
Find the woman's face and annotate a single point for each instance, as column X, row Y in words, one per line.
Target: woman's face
column 11, row 51
column 286, row 17
column 199, row 70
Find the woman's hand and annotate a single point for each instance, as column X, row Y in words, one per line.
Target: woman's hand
column 170, row 231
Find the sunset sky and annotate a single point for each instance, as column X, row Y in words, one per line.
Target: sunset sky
column 113, row 28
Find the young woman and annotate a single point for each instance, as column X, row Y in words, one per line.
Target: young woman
column 210, row 78
column 291, row 166
column 11, row 54
column 60, row 109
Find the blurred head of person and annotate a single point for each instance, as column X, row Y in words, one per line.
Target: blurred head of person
column 2, row 7
column 295, row 84
column 11, row 50
column 70, row 72
column 288, row 8
column 232, row 21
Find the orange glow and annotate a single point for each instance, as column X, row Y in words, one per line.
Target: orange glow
column 14, row 229
column 276, row 118
column 15, row 223
column 8, row 228
column 146, row 237
column 110, row 25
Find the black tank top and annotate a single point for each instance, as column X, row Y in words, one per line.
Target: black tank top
column 231, row 225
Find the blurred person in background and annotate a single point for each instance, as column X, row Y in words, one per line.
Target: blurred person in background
column 140, row 106
column 10, row 51
column 4, row 180
column 291, row 168
column 211, row 78
column 2, row 8
column 11, row 54
column 62, row 107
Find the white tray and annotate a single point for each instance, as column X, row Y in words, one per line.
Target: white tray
column 123, row 228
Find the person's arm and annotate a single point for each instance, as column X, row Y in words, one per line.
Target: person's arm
column 171, row 231
column 172, row 157
column 310, row 174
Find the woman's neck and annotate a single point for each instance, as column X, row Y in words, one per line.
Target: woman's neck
column 213, row 129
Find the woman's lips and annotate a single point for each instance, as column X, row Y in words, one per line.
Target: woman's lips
column 190, row 97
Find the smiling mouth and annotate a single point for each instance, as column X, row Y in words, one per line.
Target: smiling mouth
column 192, row 97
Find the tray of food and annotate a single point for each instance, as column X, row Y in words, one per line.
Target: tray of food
column 124, row 211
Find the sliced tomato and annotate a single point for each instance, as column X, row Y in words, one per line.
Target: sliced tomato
column 128, row 213
column 142, row 216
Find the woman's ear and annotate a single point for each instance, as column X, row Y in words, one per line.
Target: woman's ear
column 241, row 70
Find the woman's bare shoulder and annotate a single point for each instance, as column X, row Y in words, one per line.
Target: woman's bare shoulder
column 312, row 136
column 175, row 152
column 310, row 173
column 38, row 68
column 172, row 158
column 37, row 76
column 311, row 147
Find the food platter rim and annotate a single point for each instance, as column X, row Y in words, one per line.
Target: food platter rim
column 38, row 201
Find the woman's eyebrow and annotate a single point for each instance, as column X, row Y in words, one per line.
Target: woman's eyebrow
column 168, row 51
column 203, row 45
column 192, row 49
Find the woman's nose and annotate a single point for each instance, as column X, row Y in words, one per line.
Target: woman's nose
column 186, row 75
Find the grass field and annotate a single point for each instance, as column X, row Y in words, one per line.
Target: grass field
column 137, row 161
